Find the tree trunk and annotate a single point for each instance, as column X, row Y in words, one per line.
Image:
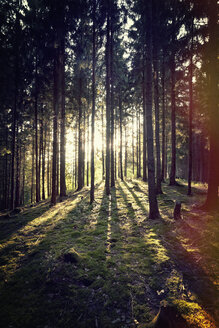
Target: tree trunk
column 190, row 115
column 103, row 159
column 212, row 201
column 121, row 139
column 157, row 120
column 107, row 54
column 153, row 206
column 17, row 187
column 163, row 123
column 62, row 133
column 93, row 102
column 80, row 139
column 55, row 127
column 112, row 99
column 144, row 128
column 173, row 107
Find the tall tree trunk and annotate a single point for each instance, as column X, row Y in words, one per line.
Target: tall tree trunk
column 144, row 127
column 190, row 114
column 44, row 162
column 17, row 187
column 173, row 106
column 103, row 159
column 93, row 101
column 62, row 133
column 139, row 143
column 48, row 163
column 163, row 121
column 153, row 206
column 133, row 147
column 16, row 79
column 88, row 147
column 126, row 150
column 121, row 139
column 212, row 201
column 157, row 120
column 36, row 132
column 107, row 54
column 80, row 139
column 55, row 128
column 32, row 171
column 112, row 99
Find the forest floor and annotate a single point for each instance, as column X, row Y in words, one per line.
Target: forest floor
column 107, row 265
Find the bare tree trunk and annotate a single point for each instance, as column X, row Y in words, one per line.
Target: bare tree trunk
column 107, row 182
column 163, row 122
column 133, row 147
column 80, row 139
column 62, row 133
column 212, row 201
column 144, row 129
column 173, row 108
column 112, row 135
column 17, row 187
column 55, row 128
column 93, row 102
column 103, row 159
column 153, row 206
column 190, row 115
column 121, row 139
column 157, row 121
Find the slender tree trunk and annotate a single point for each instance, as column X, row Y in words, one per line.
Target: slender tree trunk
column 139, row 142
column 133, row 147
column 173, row 109
column 93, row 102
column 13, row 142
column 126, row 151
column 112, row 101
column 107, row 182
column 48, row 163
column 144, row 129
column 55, row 128
column 121, row 139
column 76, row 155
column 153, row 206
column 17, row 187
column 40, row 153
column 163, row 122
column 157, row 121
column 190, row 115
column 88, row 147
column 62, row 133
column 32, row 171
column 44, row 163
column 36, row 132
column 103, row 159
column 80, row 140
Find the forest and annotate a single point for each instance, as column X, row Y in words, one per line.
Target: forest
column 109, row 164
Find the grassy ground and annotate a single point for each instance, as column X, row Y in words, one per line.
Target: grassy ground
column 108, row 265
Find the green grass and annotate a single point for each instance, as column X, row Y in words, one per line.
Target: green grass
column 107, row 265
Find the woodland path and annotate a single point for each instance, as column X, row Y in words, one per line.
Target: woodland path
column 106, row 265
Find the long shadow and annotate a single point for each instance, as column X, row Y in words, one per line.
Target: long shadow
column 9, row 226
column 40, row 285
column 194, row 276
column 138, row 202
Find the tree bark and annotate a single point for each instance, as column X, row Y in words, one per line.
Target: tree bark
column 62, row 132
column 121, row 139
column 153, row 206
column 93, row 102
column 107, row 54
column 212, row 201
column 190, row 115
